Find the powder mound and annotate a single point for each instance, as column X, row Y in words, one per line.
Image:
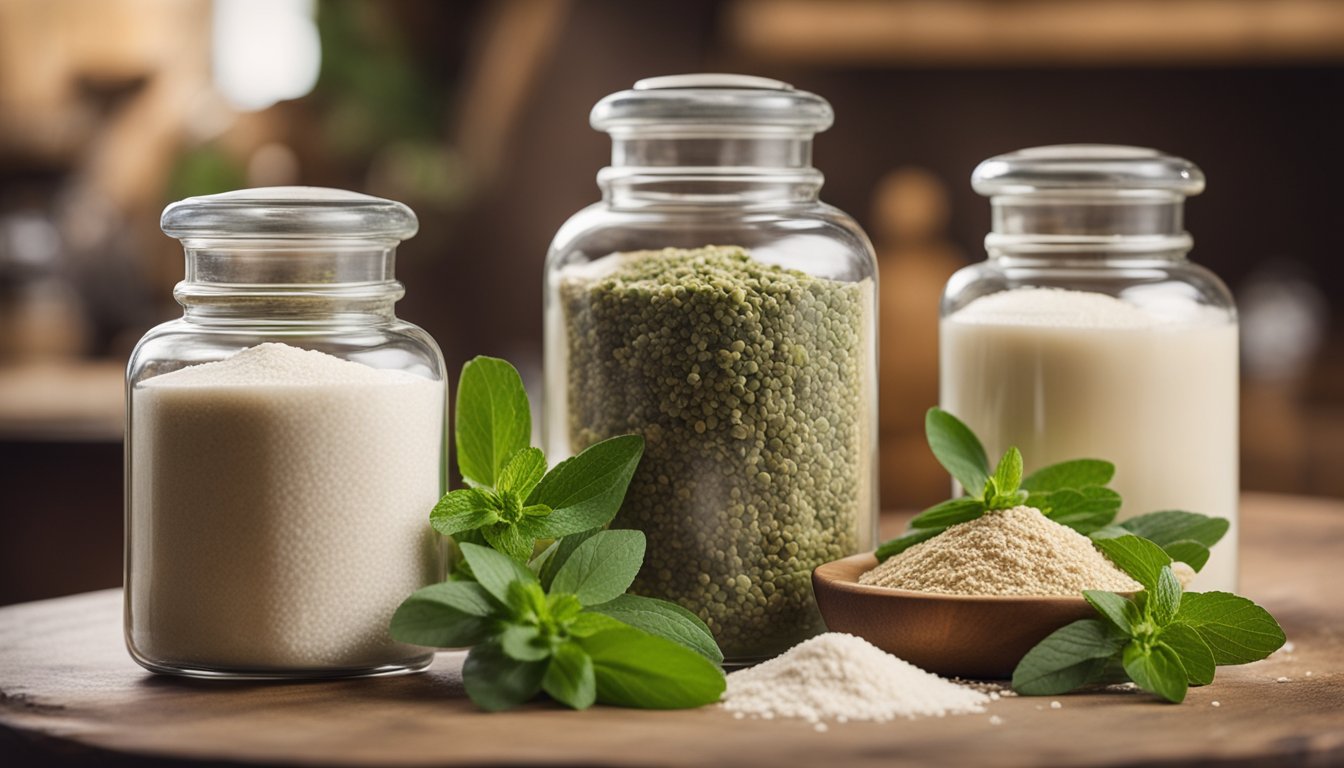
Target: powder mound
column 1016, row 551
column 275, row 364
column 841, row 677
column 1060, row 308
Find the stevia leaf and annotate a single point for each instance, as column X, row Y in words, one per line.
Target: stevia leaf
column 522, row 472
column 1067, row 658
column 1192, row 553
column 1165, row 600
column 453, row 614
column 1235, row 629
column 590, row 623
column 494, row 420
column 664, row 619
column 523, row 642
column 538, row 564
column 1108, row 532
column 1140, row 558
column 496, row 682
column 1085, row 510
column 564, row 547
column 636, row 669
column 1077, row 474
column 1121, row 613
column 564, row 608
column 602, row 567
column 1194, row 653
column 1173, row 525
column 905, row 541
column 1008, row 473
column 462, row 510
column 512, row 539
column 526, row 600
column 569, row 678
column 1157, row 669
column 957, row 448
column 495, row 571
column 585, row 491
column 949, row 513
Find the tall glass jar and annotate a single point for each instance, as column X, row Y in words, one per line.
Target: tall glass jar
column 711, row 303
column 284, row 444
column 1088, row 333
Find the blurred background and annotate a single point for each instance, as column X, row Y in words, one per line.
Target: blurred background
column 475, row 113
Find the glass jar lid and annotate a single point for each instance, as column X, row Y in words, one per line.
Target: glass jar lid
column 282, row 213
column 711, row 103
column 1088, row 170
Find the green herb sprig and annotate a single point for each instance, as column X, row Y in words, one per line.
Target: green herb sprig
column 559, row 621
column 1162, row 639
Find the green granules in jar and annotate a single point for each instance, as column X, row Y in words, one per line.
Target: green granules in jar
column 748, row 382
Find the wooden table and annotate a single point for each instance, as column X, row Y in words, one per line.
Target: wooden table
column 70, row 694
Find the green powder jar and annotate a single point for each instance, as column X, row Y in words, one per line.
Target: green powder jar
column 712, row 304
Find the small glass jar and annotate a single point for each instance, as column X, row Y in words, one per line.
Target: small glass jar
column 712, row 304
column 1088, row 333
column 284, row 444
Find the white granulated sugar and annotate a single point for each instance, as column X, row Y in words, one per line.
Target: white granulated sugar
column 280, row 506
column 841, row 677
column 1014, row 551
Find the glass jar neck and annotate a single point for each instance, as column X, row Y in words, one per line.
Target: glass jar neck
column 686, row 168
column 1082, row 228
column 289, row 281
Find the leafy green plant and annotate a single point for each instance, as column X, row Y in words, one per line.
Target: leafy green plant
column 559, row 622
column 1071, row 493
column 1162, row 639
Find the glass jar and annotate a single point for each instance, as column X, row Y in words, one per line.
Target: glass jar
column 284, row 444
column 1088, row 333
column 714, row 305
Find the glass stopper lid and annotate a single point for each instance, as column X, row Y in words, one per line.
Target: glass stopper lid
column 289, row 213
column 680, row 103
column 1088, row 169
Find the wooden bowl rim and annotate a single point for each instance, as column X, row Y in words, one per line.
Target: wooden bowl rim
column 824, row 573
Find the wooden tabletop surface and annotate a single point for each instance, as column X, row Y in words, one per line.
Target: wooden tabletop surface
column 69, row 694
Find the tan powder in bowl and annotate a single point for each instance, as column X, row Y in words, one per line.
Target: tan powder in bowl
column 1016, row 551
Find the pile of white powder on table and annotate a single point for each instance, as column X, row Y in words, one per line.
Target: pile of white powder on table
column 1016, row 551
column 841, row 677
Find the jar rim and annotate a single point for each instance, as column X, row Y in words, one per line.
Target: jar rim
column 1090, row 171
column 289, row 213
column 712, row 102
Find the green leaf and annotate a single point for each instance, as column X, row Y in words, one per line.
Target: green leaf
column 1085, row 510
column 512, row 539
column 494, row 420
column 1078, row 473
column 585, row 491
column 465, row 509
column 957, row 449
column 664, row 619
column 522, row 472
column 1236, row 630
column 949, row 513
column 563, row 549
column 537, row 564
column 495, row 571
column 453, row 614
column 636, row 669
column 602, row 567
column 1157, row 669
column 1193, row 651
column 523, row 642
column 496, row 682
column 1190, row 552
column 1121, row 613
column 1165, row 600
column 1008, row 473
column 1170, row 526
column 570, row 678
column 527, row 601
column 1067, row 658
column 905, row 541
column 590, row 623
column 1140, row 558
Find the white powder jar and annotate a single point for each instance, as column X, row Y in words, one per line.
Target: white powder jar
column 1088, row 333
column 284, row 444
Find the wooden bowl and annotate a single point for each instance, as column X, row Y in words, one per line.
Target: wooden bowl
column 950, row 635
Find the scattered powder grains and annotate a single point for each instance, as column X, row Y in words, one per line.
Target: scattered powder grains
column 1014, row 551
column 280, row 500
column 841, row 677
column 751, row 386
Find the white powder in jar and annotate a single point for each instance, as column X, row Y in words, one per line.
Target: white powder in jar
column 836, row 676
column 279, row 511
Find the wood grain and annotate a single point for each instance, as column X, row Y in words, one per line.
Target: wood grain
column 69, row 693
